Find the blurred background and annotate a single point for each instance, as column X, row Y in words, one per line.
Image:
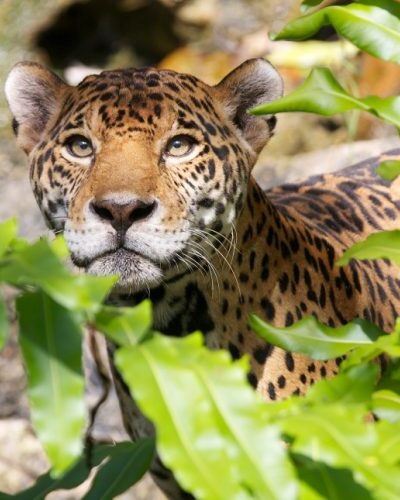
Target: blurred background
column 207, row 38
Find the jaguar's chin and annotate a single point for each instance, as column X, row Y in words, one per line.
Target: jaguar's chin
column 135, row 272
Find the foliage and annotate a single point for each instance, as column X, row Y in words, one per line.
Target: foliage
column 391, row 6
column 315, row 339
column 375, row 246
column 309, row 4
column 38, row 266
column 121, row 465
column 53, row 306
column 373, row 26
column 207, row 416
column 125, row 325
column 370, row 28
column 322, row 94
column 127, row 463
column 55, row 378
column 228, row 433
column 389, row 169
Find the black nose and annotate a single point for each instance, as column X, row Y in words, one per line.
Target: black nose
column 122, row 215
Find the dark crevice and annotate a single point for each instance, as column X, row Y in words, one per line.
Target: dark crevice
column 92, row 32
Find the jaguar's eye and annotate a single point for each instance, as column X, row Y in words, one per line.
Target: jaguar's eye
column 179, row 146
column 79, row 146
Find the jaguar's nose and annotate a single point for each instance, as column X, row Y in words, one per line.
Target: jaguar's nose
column 122, row 215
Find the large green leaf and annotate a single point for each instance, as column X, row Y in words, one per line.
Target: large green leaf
column 386, row 405
column 59, row 247
column 389, row 169
column 315, row 339
column 385, row 244
column 122, row 470
column 389, row 441
column 125, row 325
column 386, row 344
column 387, row 108
column 72, row 478
column 8, row 232
column 79, row 472
column 354, row 386
column 212, row 429
column 38, row 265
column 322, row 94
column 340, row 437
column 370, row 28
column 328, row 483
column 3, row 323
column 306, row 5
column 392, row 6
column 50, row 338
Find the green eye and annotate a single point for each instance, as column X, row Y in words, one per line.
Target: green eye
column 180, row 145
column 79, row 146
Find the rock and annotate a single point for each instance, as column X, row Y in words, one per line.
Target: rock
column 292, row 169
column 21, row 455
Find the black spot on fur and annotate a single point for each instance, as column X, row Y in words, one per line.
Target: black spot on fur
column 262, row 353
column 289, row 361
column 268, row 308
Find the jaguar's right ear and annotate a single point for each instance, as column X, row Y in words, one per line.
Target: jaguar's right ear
column 253, row 82
column 35, row 96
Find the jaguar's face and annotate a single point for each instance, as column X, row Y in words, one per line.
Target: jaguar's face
column 145, row 171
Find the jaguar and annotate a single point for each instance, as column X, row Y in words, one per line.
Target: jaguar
column 148, row 174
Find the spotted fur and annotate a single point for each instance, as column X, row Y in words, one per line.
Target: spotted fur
column 199, row 236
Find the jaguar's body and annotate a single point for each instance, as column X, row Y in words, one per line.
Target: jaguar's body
column 148, row 174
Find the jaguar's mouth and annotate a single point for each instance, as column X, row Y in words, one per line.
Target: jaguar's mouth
column 118, row 253
column 135, row 271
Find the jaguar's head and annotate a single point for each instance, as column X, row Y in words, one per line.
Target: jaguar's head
column 143, row 170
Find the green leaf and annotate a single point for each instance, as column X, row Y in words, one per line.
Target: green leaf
column 8, row 233
column 390, row 378
column 59, row 247
column 122, row 470
column 339, row 437
column 312, row 338
column 212, row 428
column 50, row 338
column 389, row 441
column 370, row 28
column 385, row 244
column 391, row 6
column 354, row 386
column 387, row 108
column 38, row 265
column 306, row 5
column 389, row 169
column 386, row 405
column 322, row 94
column 125, row 325
column 386, row 344
column 79, row 472
column 72, row 478
column 327, row 482
column 4, row 328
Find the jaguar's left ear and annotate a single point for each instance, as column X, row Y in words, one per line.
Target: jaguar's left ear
column 35, row 96
column 254, row 82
